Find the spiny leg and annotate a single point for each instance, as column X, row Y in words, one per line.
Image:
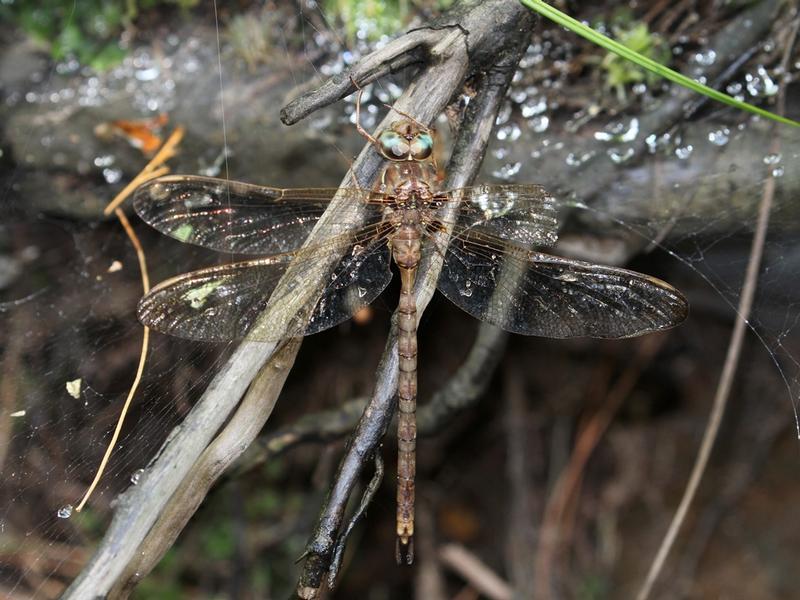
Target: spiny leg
column 359, row 128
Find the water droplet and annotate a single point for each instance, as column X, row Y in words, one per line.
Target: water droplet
column 719, row 137
column 772, row 159
column 504, row 115
column 533, row 106
column 735, row 89
column 112, row 175
column 576, row 160
column 509, row 132
column 518, row 95
column 618, row 156
column 507, row 171
column 778, row 172
column 539, row 124
column 567, row 276
column 760, row 84
column 500, row 153
column 136, row 476
column 362, row 292
column 466, row 291
column 619, row 132
column 147, row 74
column 104, row 161
column 684, row 152
column 65, row 512
column 705, row 58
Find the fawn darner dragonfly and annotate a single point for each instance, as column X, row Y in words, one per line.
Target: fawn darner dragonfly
column 494, row 231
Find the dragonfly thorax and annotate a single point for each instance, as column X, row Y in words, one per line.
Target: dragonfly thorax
column 407, row 178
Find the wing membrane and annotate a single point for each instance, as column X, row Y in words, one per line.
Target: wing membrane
column 532, row 293
column 523, row 214
column 225, row 302
column 231, row 216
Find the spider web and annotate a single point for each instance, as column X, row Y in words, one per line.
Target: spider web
column 69, row 282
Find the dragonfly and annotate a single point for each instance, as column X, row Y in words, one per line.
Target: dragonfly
column 488, row 236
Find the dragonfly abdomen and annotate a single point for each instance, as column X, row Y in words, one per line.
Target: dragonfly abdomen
column 406, row 248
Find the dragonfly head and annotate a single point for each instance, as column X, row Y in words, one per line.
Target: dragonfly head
column 405, row 140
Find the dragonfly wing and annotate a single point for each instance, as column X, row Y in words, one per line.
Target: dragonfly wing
column 231, row 216
column 360, row 277
column 228, row 301
column 523, row 214
column 532, row 293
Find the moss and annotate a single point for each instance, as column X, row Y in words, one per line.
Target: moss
column 373, row 19
column 88, row 30
column 620, row 73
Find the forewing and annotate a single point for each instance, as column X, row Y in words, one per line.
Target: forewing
column 226, row 302
column 231, row 216
column 532, row 293
column 523, row 214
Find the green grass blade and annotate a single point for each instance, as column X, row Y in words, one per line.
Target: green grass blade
column 595, row 37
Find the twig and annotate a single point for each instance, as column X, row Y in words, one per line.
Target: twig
column 154, row 168
column 320, row 427
column 397, row 54
column 765, row 421
column 731, row 359
column 473, row 570
column 569, row 480
column 139, row 369
column 428, row 581
column 366, row 499
column 523, row 512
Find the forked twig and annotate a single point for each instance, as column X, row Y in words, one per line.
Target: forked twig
column 731, row 359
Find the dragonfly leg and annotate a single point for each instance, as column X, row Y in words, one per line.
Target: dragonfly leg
column 359, row 128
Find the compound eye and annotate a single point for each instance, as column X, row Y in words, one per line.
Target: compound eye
column 421, row 146
column 393, row 145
